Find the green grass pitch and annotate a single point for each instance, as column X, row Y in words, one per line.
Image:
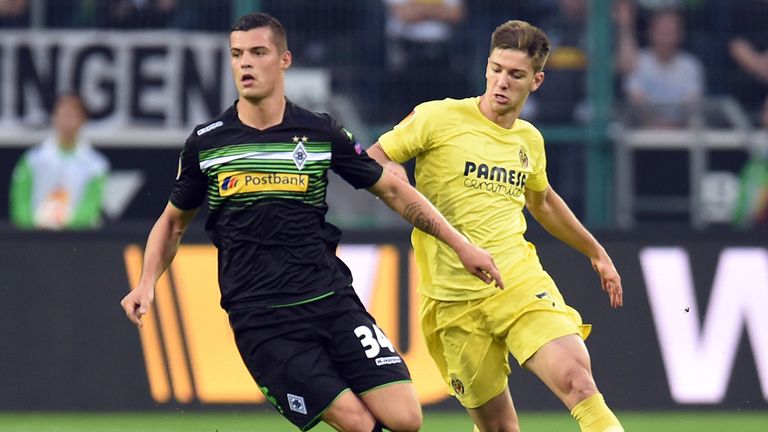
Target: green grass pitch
column 434, row 421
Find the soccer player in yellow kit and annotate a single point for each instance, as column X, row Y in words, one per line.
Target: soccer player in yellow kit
column 480, row 164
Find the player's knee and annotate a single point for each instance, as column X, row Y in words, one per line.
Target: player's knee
column 354, row 420
column 361, row 423
column 505, row 425
column 408, row 420
column 580, row 384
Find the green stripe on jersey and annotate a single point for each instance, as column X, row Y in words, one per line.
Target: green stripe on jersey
column 230, row 168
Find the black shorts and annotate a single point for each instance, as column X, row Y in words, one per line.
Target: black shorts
column 304, row 356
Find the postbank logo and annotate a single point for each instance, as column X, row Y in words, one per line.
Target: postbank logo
column 189, row 351
column 231, row 183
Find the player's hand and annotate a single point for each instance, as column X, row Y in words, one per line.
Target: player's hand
column 136, row 304
column 480, row 263
column 610, row 281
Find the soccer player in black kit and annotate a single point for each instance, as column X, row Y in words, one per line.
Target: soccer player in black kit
column 301, row 330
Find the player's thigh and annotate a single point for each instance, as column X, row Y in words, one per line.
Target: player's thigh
column 396, row 406
column 294, row 372
column 564, row 366
column 471, row 360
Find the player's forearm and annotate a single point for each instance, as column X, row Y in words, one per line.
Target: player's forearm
column 162, row 245
column 555, row 216
column 417, row 210
column 745, row 55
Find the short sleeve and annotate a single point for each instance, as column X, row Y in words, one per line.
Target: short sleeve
column 350, row 161
column 408, row 138
column 538, row 181
column 191, row 184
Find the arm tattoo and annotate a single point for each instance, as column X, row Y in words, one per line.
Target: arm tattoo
column 414, row 214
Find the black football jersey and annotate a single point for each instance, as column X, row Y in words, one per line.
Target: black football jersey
column 266, row 194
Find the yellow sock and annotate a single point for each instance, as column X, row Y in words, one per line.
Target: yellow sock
column 594, row 415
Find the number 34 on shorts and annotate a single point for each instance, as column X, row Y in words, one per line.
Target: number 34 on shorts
column 374, row 342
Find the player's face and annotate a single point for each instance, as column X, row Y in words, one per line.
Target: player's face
column 258, row 66
column 68, row 116
column 509, row 80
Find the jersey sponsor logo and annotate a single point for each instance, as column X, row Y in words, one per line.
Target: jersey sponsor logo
column 231, row 183
column 210, row 127
column 296, row 403
column 494, row 179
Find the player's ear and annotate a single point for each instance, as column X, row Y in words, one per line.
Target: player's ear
column 285, row 60
column 538, row 79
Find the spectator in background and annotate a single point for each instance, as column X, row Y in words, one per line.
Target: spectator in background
column 662, row 81
column 140, row 13
column 58, row 184
column 564, row 94
column 14, row 13
column 563, row 100
column 206, row 15
column 748, row 46
column 421, row 51
column 752, row 206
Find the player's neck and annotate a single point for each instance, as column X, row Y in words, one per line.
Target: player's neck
column 262, row 114
column 505, row 120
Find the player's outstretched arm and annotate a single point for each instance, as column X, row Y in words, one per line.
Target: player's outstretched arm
column 549, row 209
column 162, row 244
column 409, row 203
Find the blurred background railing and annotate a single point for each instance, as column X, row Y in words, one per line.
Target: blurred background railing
column 619, row 76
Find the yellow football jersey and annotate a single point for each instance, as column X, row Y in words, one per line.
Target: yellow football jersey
column 475, row 172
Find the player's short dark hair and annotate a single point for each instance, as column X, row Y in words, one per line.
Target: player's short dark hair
column 522, row 36
column 260, row 19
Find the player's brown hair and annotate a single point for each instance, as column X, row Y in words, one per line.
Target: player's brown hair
column 522, row 36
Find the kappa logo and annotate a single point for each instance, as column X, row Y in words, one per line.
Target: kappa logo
column 381, row 361
column 296, row 403
column 545, row 295
column 210, row 127
column 457, row 386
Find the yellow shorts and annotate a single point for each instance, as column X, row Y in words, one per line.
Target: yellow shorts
column 470, row 340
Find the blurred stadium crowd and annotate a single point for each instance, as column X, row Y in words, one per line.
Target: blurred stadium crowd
column 669, row 57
